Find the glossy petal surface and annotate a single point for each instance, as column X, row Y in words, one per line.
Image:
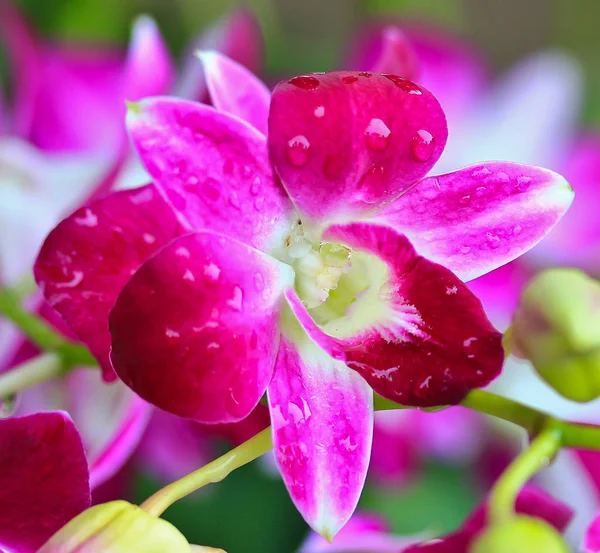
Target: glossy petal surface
column 345, row 143
column 235, row 90
column 45, row 479
column 322, row 420
column 420, row 337
column 480, row 217
column 213, row 167
column 87, row 259
column 195, row 331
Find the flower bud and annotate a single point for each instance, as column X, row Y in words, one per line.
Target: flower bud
column 556, row 328
column 521, row 534
column 117, row 527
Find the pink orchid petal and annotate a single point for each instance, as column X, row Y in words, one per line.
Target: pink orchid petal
column 110, row 419
column 148, row 70
column 322, row 420
column 24, row 58
column 86, row 260
column 390, row 52
column 576, row 241
column 364, row 533
column 432, row 342
column 214, row 168
column 480, row 217
column 173, row 447
column 591, row 540
column 345, row 143
column 44, row 479
column 238, row 36
column 235, row 90
column 195, row 330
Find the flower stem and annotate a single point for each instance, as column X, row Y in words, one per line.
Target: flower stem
column 214, row 472
column 504, row 493
column 40, row 369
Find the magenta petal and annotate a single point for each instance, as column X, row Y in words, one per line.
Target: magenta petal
column 88, row 257
column 395, row 55
column 480, row 217
column 322, row 420
column 235, row 90
column 345, row 143
column 591, row 540
column 148, row 70
column 430, row 342
column 44, row 479
column 214, row 168
column 195, row 330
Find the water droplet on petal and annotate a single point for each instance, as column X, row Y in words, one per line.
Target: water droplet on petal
column 246, row 171
column 365, row 74
column 349, row 79
column 211, row 188
column 259, row 281
column 465, row 200
column 255, row 187
column 305, row 82
column 298, row 151
column 372, row 184
column 259, row 203
column 480, row 191
column 517, row 229
column 493, row 240
column 404, row 84
column 377, row 135
column 236, row 301
column 465, row 250
column 421, row 145
column 234, row 199
column 191, row 182
column 319, row 111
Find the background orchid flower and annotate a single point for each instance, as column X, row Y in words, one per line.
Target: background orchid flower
column 331, row 287
column 369, row 534
column 44, row 479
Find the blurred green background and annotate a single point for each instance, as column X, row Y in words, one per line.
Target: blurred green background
column 250, row 512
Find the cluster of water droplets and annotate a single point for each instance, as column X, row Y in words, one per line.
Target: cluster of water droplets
column 377, row 133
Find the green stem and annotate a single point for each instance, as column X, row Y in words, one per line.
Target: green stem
column 40, row 369
column 25, row 287
column 214, row 472
column 521, row 470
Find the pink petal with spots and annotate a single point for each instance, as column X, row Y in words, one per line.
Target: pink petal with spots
column 238, row 36
column 364, row 533
column 480, row 217
column 591, row 540
column 195, row 331
column 44, row 479
column 235, row 90
column 214, row 168
column 149, row 70
column 417, row 334
column 345, row 143
column 322, row 420
column 23, row 54
column 87, row 259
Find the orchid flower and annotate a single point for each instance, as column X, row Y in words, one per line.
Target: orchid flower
column 369, row 534
column 315, row 277
column 45, row 479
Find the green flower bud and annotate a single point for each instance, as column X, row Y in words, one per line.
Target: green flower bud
column 520, row 534
column 118, row 527
column 556, row 327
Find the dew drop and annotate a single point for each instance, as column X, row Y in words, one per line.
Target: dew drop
column 333, row 167
column 480, row 191
column 465, row 250
column 365, row 74
column 349, row 79
column 517, row 229
column 259, row 281
column 431, row 193
column 377, row 135
column 298, row 151
column 421, row 145
column 465, row 200
column 404, row 84
column 191, row 182
column 255, row 186
column 319, row 111
column 306, row 82
column 234, row 200
column 246, row 171
column 259, row 203
column 211, row 189
column 493, row 240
